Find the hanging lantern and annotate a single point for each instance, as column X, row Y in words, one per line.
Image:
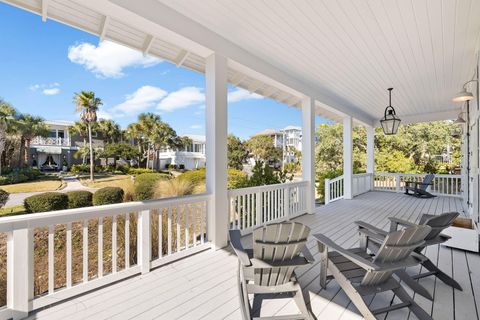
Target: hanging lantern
column 390, row 122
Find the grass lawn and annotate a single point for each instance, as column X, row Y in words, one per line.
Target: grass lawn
column 10, row 211
column 122, row 180
column 33, row 186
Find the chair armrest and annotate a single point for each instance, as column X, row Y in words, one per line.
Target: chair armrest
column 363, row 225
column 395, row 222
column 308, row 255
column 355, row 258
column 236, row 243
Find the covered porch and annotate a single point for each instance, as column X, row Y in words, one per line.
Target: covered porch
column 168, row 258
column 204, row 286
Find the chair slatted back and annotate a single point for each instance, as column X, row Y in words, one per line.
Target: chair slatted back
column 278, row 242
column 438, row 223
column 396, row 248
column 426, row 181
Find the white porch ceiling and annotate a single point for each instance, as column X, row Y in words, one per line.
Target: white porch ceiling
column 345, row 53
column 425, row 49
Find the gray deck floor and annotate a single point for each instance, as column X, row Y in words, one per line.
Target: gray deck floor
column 204, row 286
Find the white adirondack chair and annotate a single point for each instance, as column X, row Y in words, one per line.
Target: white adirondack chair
column 270, row 267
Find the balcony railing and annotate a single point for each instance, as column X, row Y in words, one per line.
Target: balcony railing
column 53, row 256
column 41, row 141
column 442, row 184
column 256, row 206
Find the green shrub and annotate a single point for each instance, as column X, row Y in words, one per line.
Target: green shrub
column 3, row 180
column 48, row 201
column 77, row 168
column 144, row 187
column 17, row 177
column 237, row 179
column 79, row 199
column 108, row 195
column 137, row 171
column 3, row 197
column 123, row 168
column 196, row 177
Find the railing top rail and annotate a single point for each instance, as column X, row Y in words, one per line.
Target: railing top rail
column 335, row 179
column 359, row 175
column 418, row 175
column 269, row 187
column 43, row 219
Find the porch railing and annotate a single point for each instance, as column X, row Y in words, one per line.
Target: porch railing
column 52, row 256
column 442, row 184
column 41, row 141
column 256, row 206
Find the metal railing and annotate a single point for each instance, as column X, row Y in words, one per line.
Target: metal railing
column 253, row 207
column 53, row 256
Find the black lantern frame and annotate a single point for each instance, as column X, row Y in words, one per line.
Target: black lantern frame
column 390, row 122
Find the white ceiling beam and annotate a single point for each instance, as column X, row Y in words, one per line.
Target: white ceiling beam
column 147, row 44
column 104, row 27
column 257, row 85
column 181, row 57
column 45, row 9
column 270, row 92
column 239, row 77
column 170, row 19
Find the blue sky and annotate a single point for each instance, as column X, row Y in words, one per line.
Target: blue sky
column 44, row 64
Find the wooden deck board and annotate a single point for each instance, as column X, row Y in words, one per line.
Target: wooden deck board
column 204, row 286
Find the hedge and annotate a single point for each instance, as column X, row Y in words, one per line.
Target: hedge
column 108, row 195
column 144, row 187
column 48, row 201
column 79, row 199
column 196, row 177
column 3, row 197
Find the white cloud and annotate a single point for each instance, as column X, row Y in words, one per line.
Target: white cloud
column 142, row 99
column 108, row 59
column 51, row 91
column 196, row 126
column 47, row 89
column 102, row 114
column 242, row 94
column 182, row 98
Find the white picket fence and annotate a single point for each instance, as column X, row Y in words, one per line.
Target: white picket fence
column 122, row 238
column 256, row 206
column 442, row 185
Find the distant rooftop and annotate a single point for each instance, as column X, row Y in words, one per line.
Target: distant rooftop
column 60, row 122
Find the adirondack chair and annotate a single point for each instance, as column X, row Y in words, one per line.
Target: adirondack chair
column 437, row 223
column 419, row 189
column 270, row 267
column 361, row 274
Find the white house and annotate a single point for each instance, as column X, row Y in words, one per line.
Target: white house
column 191, row 157
column 288, row 138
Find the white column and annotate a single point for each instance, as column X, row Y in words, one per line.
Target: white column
column 216, row 148
column 347, row 158
column 308, row 151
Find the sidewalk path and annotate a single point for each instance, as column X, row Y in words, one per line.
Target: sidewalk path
column 73, row 184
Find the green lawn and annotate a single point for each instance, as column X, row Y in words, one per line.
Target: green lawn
column 10, row 211
column 122, row 180
column 33, row 186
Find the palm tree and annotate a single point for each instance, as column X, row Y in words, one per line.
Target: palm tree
column 7, row 124
column 110, row 130
column 80, row 129
column 87, row 104
column 29, row 127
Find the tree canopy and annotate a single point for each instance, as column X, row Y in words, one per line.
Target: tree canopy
column 237, row 153
column 261, row 147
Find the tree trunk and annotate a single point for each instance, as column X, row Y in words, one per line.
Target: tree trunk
column 84, row 157
column 21, row 153
column 91, row 151
column 27, row 150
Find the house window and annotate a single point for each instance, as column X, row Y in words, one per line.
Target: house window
column 61, row 134
column 52, row 134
